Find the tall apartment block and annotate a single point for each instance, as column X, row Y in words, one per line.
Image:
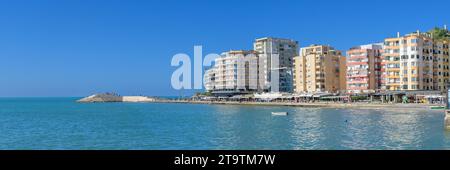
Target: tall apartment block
column 364, row 68
column 286, row 50
column 235, row 72
column 209, row 79
column 415, row 62
column 441, row 64
column 319, row 68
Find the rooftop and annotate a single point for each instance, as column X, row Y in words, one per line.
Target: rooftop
column 274, row 38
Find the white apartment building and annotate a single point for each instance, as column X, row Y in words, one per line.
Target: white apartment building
column 235, row 72
column 285, row 50
column 408, row 62
column 209, row 79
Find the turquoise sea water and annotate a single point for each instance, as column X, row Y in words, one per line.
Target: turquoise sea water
column 61, row 123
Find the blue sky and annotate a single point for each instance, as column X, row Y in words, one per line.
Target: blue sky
column 79, row 47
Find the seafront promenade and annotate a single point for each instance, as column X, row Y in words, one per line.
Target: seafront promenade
column 355, row 105
column 322, row 104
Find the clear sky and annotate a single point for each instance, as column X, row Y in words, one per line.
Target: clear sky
column 79, row 47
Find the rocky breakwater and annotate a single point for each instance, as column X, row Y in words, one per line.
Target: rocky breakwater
column 111, row 97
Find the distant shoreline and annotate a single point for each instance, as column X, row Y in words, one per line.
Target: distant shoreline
column 105, row 98
column 380, row 106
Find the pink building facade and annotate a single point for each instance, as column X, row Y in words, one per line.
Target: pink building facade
column 364, row 68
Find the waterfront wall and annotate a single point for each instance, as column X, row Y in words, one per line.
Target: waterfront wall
column 137, row 99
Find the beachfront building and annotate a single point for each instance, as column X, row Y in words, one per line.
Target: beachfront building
column 412, row 62
column 319, row 68
column 209, row 79
column 441, row 69
column 285, row 50
column 364, row 68
column 235, row 72
column 342, row 73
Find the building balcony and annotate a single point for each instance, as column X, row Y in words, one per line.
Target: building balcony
column 393, row 76
column 358, row 82
column 393, row 69
column 358, row 88
column 357, row 63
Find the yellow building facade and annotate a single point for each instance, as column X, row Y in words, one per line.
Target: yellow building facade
column 319, row 68
column 415, row 62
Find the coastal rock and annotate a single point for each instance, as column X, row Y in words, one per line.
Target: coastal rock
column 105, row 97
column 111, row 97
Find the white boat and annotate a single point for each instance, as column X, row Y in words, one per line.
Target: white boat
column 280, row 113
